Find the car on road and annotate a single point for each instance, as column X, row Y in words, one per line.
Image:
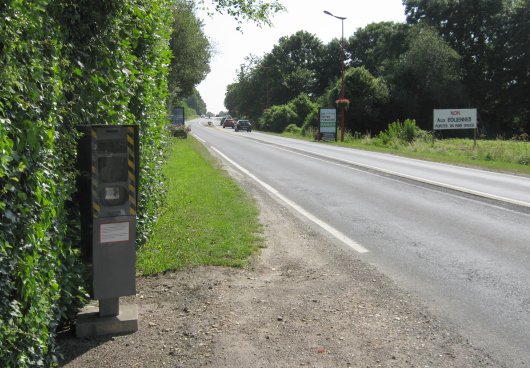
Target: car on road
column 216, row 120
column 243, row 125
column 229, row 123
column 223, row 118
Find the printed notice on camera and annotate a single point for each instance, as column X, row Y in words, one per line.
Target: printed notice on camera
column 115, row 232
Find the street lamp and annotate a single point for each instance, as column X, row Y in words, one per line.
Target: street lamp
column 342, row 73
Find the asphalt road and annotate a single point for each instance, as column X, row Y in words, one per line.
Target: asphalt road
column 456, row 238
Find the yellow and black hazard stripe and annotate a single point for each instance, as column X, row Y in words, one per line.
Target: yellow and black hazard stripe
column 96, row 207
column 131, row 167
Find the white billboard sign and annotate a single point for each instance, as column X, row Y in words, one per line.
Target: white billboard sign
column 455, row 119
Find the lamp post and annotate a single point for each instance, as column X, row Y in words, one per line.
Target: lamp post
column 342, row 73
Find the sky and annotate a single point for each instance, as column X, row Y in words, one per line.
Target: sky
column 231, row 46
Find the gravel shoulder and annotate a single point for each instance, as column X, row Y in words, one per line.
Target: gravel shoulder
column 306, row 300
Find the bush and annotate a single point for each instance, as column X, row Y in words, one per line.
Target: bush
column 311, row 119
column 368, row 95
column 302, row 106
column 293, row 129
column 524, row 160
column 180, row 131
column 277, row 118
column 398, row 131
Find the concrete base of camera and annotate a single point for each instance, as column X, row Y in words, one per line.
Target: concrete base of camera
column 91, row 324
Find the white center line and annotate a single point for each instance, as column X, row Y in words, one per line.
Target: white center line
column 410, row 177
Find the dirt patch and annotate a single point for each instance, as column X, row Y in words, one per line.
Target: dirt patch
column 306, row 300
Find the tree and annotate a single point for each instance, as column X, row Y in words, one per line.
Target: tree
column 511, row 80
column 246, row 96
column 329, row 66
column 378, row 46
column 195, row 102
column 428, row 77
column 258, row 11
column 491, row 37
column 367, row 94
column 232, row 98
column 191, row 51
column 293, row 66
column 298, row 64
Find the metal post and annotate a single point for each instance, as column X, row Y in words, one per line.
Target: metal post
column 342, row 93
column 109, row 307
column 342, row 73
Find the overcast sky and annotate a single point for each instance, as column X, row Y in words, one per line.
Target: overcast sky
column 232, row 46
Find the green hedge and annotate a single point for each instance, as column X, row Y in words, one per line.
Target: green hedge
column 64, row 63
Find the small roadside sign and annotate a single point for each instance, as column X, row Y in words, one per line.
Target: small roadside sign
column 177, row 116
column 328, row 122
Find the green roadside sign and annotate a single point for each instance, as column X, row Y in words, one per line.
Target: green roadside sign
column 327, row 123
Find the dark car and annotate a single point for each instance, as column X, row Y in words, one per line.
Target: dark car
column 243, row 125
column 230, row 123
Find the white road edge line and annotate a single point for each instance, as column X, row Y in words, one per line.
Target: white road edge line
column 199, row 139
column 336, row 233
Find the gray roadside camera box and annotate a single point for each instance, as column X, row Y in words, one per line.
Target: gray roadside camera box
column 108, row 158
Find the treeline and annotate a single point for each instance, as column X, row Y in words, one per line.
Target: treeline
column 449, row 54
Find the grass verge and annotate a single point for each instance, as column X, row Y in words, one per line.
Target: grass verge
column 497, row 155
column 504, row 156
column 206, row 219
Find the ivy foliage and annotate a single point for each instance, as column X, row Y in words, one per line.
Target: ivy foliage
column 64, row 63
column 191, row 52
column 36, row 284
